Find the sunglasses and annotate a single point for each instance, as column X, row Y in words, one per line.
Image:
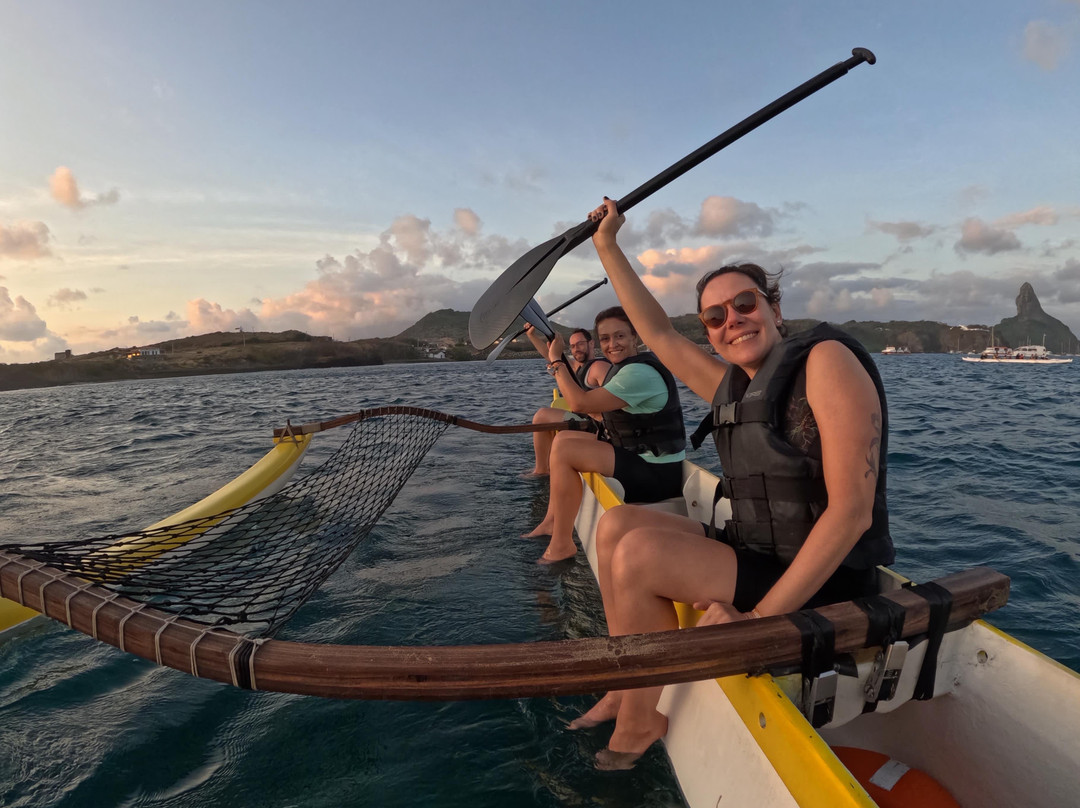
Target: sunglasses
column 745, row 302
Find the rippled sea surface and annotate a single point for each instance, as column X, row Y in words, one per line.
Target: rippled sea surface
column 984, row 469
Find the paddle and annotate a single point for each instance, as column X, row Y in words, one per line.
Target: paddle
column 510, row 293
column 499, row 348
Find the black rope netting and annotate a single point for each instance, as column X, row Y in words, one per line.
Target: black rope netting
column 252, row 567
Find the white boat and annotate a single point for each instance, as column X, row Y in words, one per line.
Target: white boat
column 1001, row 729
column 1024, row 355
column 892, row 349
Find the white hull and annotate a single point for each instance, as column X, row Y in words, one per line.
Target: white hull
column 1001, row 730
column 982, row 361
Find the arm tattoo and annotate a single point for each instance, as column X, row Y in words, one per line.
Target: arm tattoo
column 873, row 453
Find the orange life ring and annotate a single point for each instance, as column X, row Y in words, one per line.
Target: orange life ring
column 892, row 784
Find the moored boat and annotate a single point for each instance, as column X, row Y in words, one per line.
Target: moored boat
column 999, row 729
column 1024, row 355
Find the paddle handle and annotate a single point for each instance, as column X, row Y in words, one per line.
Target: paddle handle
column 585, row 230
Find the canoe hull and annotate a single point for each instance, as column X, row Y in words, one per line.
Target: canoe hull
column 1000, row 730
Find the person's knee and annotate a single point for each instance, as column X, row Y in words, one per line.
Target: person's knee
column 561, row 447
column 613, row 525
column 547, row 415
column 636, row 553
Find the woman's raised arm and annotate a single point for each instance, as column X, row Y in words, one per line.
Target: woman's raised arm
column 698, row 370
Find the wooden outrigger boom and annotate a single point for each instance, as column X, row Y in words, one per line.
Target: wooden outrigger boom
column 450, row 673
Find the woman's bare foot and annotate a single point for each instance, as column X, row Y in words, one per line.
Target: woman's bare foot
column 542, row 530
column 604, row 710
column 634, row 737
column 554, row 557
column 533, row 474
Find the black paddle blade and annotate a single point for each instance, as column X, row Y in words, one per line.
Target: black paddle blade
column 505, row 299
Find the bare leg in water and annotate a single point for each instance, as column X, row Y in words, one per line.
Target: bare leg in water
column 649, row 570
column 613, row 525
column 571, row 453
column 542, row 440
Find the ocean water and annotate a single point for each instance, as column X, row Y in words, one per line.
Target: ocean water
column 984, row 469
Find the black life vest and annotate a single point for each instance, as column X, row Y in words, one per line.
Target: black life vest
column 660, row 432
column 583, row 372
column 777, row 492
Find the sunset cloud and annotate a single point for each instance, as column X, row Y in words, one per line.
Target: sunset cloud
column 1045, row 44
column 976, row 236
column 1042, row 215
column 65, row 190
column 24, row 241
column 902, row 231
column 65, row 298
column 204, row 317
column 19, row 321
column 727, row 217
column 386, row 289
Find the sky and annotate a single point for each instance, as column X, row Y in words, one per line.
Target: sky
column 174, row 168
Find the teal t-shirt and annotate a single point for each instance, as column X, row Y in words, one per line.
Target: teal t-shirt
column 644, row 391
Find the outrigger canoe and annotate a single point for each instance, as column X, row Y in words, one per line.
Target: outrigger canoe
column 266, row 477
column 1002, row 726
column 999, row 730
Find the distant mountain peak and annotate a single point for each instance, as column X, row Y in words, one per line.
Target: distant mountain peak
column 1027, row 303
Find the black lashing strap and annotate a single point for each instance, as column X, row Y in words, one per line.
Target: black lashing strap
column 703, row 431
column 818, row 665
column 940, row 600
column 886, row 627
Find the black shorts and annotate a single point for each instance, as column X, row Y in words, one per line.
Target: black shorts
column 757, row 572
column 643, row 481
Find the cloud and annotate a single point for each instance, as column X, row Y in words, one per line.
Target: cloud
column 204, row 317
column 19, row 321
column 978, row 237
column 25, row 241
column 902, row 231
column 1045, row 44
column 388, row 288
column 467, row 221
column 65, row 298
column 65, row 190
column 725, row 216
column 1044, row 215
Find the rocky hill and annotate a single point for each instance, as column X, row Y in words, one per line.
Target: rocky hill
column 1033, row 326
column 218, row 352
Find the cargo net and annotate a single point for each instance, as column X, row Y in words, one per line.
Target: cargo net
column 252, row 567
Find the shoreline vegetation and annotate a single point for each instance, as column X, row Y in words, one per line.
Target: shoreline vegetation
column 443, row 336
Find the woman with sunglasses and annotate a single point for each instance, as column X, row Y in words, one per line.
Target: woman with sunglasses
column 644, row 440
column 800, row 426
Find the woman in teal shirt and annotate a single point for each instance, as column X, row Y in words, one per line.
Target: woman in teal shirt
column 643, row 447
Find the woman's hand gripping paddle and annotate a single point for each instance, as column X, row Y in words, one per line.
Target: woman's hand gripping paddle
column 509, row 295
